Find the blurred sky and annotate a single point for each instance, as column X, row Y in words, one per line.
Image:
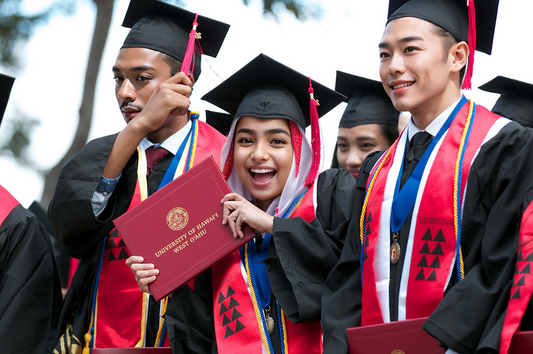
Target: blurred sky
column 49, row 84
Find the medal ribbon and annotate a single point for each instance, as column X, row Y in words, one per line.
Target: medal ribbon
column 254, row 263
column 404, row 198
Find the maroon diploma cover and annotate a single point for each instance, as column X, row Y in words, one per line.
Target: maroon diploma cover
column 522, row 342
column 179, row 228
column 393, row 337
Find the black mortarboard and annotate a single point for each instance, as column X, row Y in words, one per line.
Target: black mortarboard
column 368, row 103
column 6, row 83
column 165, row 28
column 453, row 16
column 219, row 121
column 516, row 100
column 265, row 88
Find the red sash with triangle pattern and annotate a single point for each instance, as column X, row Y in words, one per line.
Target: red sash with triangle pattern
column 121, row 307
column 522, row 283
column 236, row 327
column 431, row 253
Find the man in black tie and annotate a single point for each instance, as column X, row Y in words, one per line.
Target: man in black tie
column 435, row 231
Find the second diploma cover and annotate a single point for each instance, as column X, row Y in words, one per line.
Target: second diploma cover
column 179, row 228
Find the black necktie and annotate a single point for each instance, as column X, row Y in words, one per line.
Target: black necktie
column 417, row 146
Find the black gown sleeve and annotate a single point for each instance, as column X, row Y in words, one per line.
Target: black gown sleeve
column 301, row 254
column 189, row 318
column 341, row 299
column 499, row 180
column 70, row 212
column 30, row 290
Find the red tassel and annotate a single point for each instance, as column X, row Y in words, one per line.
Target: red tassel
column 315, row 138
column 467, row 83
column 228, row 165
column 296, row 137
column 188, row 58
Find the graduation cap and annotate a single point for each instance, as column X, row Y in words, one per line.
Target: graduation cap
column 6, row 83
column 266, row 89
column 516, row 100
column 219, row 121
column 368, row 103
column 466, row 22
column 172, row 30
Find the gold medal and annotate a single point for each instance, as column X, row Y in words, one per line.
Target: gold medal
column 395, row 249
column 269, row 320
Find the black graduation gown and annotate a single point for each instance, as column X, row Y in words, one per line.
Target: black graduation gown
column 299, row 258
column 30, row 290
column 498, row 181
column 81, row 233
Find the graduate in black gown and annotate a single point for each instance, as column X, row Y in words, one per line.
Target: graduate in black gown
column 405, row 258
column 30, row 291
column 304, row 215
column 154, row 74
column 515, row 101
column 369, row 123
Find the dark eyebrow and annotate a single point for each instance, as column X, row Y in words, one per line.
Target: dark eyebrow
column 400, row 41
column 366, row 138
column 269, row 131
column 137, row 68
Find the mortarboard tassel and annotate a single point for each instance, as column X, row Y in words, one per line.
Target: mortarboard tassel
column 467, row 83
column 315, row 137
column 188, row 58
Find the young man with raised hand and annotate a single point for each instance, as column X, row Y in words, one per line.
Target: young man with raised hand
column 154, row 73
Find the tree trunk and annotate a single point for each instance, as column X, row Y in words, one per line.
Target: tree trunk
column 104, row 13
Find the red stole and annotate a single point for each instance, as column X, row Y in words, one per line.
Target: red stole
column 120, row 319
column 522, row 283
column 7, row 203
column 430, row 251
column 236, row 326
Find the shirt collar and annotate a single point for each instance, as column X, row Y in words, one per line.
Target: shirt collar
column 434, row 127
column 173, row 142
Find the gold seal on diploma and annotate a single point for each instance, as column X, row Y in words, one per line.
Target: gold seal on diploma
column 397, row 351
column 177, row 218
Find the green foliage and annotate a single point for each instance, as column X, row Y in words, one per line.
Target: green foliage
column 16, row 26
column 301, row 9
column 19, row 132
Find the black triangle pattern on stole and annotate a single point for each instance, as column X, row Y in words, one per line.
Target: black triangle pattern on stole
column 111, row 256
column 427, row 236
column 425, row 249
column 521, row 281
column 123, row 254
column 225, row 321
column 529, row 258
column 526, row 269
column 221, row 298
column 232, row 304
column 420, row 275
column 439, row 236
column 516, row 294
column 111, row 243
column 435, row 263
column 223, row 309
column 121, row 243
column 438, row 250
column 432, row 276
column 423, row 262
column 236, row 314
